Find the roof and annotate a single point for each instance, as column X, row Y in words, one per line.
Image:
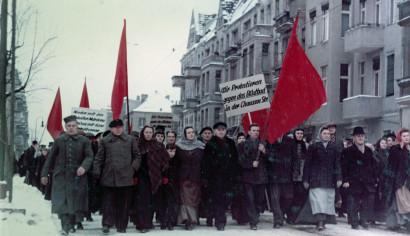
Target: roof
column 155, row 103
column 243, row 7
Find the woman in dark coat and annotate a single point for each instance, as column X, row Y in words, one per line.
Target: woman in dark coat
column 322, row 174
column 397, row 183
column 154, row 161
column 189, row 155
column 168, row 191
column 380, row 207
column 238, row 206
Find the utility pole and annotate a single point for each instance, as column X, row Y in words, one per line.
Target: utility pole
column 13, row 76
column 3, row 83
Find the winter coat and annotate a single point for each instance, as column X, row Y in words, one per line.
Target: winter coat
column 322, row 167
column 69, row 191
column 248, row 152
column 360, row 169
column 117, row 159
column 220, row 162
column 280, row 160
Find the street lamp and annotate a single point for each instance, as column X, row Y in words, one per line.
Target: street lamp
column 35, row 128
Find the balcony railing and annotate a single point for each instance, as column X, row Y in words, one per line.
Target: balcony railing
column 404, row 13
column 364, row 38
column 283, row 22
column 258, row 31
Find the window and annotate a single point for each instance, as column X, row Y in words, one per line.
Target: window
column 216, row 114
column 344, row 81
column 313, row 28
column 235, row 36
column 276, row 54
column 361, row 76
column 265, row 57
column 218, row 77
column 376, row 73
column 325, row 32
column 233, row 71
column 226, row 74
column 391, row 15
column 245, row 63
column 362, row 11
column 285, row 41
column 262, row 14
column 141, row 122
column 206, row 117
column 378, row 3
column 203, row 85
column 255, row 19
column 276, row 8
column 207, row 83
column 345, row 16
column 247, row 25
column 268, row 14
column 390, row 76
column 202, row 118
column 251, row 59
column 324, row 76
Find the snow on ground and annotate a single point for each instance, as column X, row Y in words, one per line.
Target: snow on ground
column 38, row 221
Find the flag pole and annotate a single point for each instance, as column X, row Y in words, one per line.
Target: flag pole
column 250, row 118
column 128, row 114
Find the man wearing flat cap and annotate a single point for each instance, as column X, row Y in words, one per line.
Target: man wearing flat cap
column 117, row 160
column 70, row 158
column 360, row 174
column 219, row 169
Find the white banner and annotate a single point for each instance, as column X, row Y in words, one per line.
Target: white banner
column 245, row 95
column 91, row 121
column 161, row 120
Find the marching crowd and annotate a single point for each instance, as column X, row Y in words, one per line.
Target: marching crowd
column 153, row 176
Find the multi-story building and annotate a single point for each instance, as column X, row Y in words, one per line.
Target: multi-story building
column 356, row 46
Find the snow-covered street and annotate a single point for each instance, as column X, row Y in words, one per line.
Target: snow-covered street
column 38, row 221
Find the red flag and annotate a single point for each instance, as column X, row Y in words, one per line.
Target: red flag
column 120, row 88
column 84, row 97
column 299, row 93
column 257, row 117
column 55, row 117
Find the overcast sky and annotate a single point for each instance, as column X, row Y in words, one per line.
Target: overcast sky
column 88, row 34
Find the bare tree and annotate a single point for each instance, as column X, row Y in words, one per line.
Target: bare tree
column 37, row 58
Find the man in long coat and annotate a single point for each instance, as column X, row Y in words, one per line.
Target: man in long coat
column 70, row 158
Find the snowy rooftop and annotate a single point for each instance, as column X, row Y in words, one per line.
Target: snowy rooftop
column 156, row 102
column 243, row 7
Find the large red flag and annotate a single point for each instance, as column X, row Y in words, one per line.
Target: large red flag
column 299, row 93
column 55, row 117
column 256, row 117
column 120, row 88
column 84, row 97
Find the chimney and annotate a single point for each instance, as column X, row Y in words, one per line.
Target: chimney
column 144, row 97
column 167, row 97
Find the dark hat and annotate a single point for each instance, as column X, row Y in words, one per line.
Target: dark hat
column 107, row 132
column 331, row 124
column 205, row 129
column 34, row 142
column 116, row 123
column 220, row 124
column 70, row 118
column 358, row 130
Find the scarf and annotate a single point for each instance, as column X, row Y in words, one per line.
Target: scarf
column 189, row 145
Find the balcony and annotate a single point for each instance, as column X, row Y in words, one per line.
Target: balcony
column 191, row 103
column 404, row 13
column 192, row 72
column 232, row 54
column 178, row 81
column 212, row 60
column 364, row 38
column 258, row 31
column 177, row 109
column 283, row 22
column 362, row 107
